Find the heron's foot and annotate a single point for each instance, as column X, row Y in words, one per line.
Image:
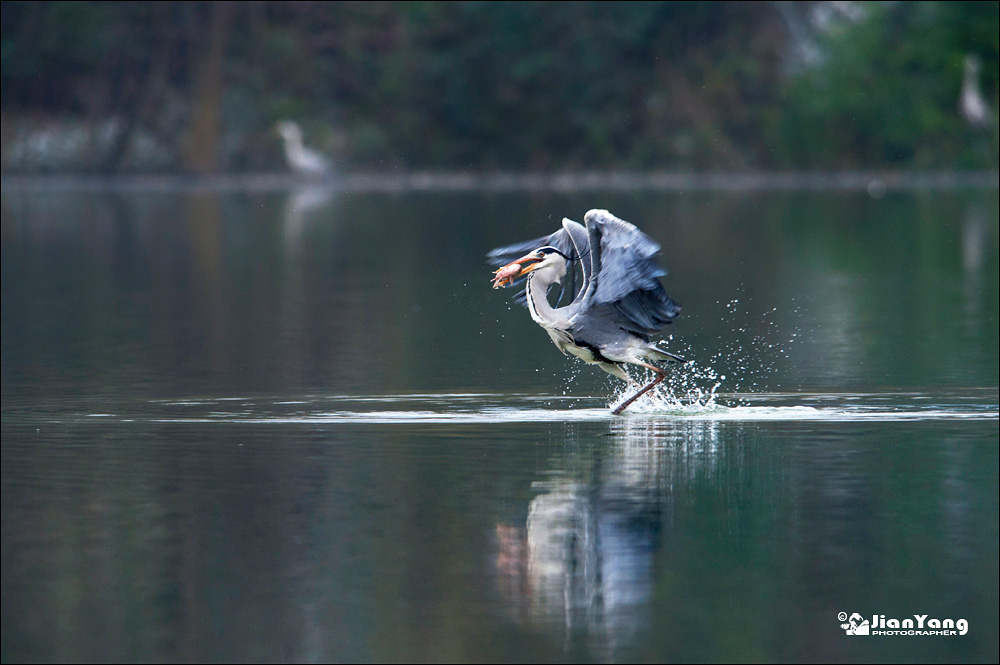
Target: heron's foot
column 660, row 375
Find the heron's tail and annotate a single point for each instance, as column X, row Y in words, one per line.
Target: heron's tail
column 659, row 355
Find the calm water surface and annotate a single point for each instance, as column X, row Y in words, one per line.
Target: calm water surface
column 300, row 426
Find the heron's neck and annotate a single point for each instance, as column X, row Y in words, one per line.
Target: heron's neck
column 970, row 86
column 293, row 146
column 541, row 311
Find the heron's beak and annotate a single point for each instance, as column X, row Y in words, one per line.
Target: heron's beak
column 505, row 275
column 534, row 256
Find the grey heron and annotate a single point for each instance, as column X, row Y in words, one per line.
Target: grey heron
column 301, row 159
column 620, row 301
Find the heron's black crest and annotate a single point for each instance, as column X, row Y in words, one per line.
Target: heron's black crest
column 549, row 249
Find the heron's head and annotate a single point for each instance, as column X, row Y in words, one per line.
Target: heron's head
column 972, row 65
column 543, row 258
column 289, row 130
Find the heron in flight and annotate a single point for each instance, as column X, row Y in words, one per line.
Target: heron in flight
column 620, row 301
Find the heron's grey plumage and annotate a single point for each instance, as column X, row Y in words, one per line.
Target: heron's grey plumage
column 626, row 275
column 619, row 303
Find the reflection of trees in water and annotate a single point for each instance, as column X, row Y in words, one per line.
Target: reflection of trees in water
column 869, row 273
column 583, row 563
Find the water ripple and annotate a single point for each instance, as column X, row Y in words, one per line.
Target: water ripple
column 504, row 408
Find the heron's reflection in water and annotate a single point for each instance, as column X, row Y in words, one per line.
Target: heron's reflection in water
column 583, row 562
column 302, row 205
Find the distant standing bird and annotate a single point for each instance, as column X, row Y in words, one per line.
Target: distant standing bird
column 619, row 304
column 971, row 103
column 301, row 159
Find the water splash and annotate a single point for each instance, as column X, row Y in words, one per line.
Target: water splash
column 745, row 364
column 688, row 389
column 752, row 354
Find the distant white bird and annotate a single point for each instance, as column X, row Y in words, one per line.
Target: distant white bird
column 301, row 159
column 971, row 103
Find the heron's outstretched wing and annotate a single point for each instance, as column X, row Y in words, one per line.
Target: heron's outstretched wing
column 572, row 240
column 625, row 274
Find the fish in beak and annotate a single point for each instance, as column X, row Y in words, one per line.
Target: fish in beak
column 505, row 276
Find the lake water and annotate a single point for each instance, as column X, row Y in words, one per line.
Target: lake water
column 300, row 426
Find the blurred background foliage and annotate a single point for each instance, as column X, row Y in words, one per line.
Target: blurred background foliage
column 198, row 86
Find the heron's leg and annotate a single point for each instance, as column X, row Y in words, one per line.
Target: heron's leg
column 660, row 375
